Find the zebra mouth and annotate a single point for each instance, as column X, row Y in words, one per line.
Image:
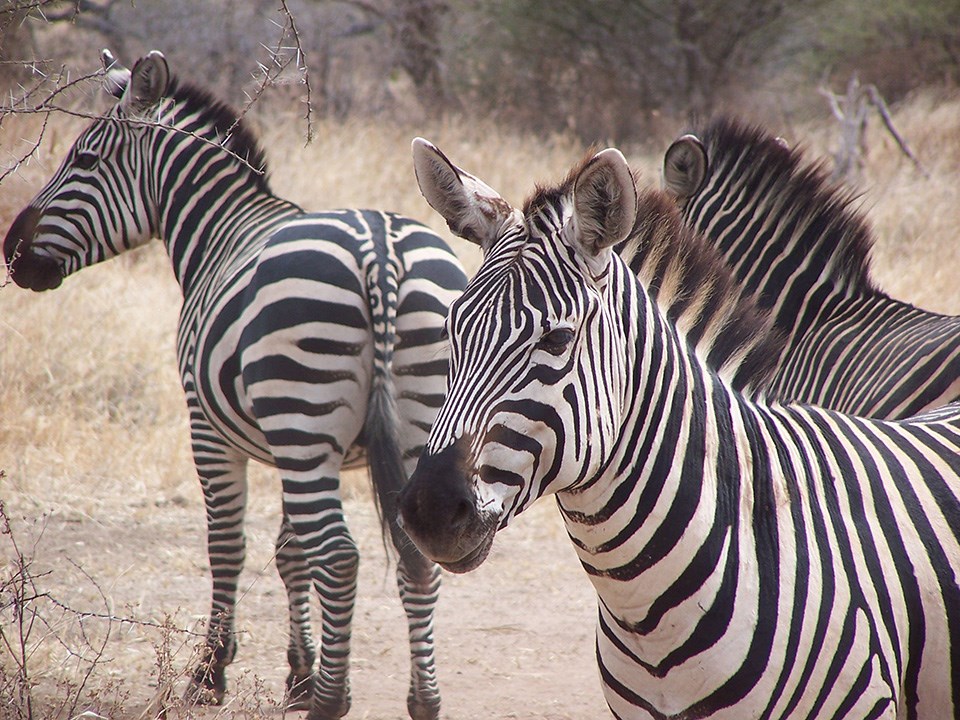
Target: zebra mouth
column 36, row 270
column 473, row 559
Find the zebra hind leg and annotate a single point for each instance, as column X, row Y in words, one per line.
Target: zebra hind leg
column 418, row 581
column 333, row 559
column 301, row 650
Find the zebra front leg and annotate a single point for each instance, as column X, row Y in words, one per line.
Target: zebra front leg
column 301, row 650
column 224, row 481
column 418, row 580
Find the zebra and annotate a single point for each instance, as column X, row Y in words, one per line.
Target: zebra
column 751, row 560
column 310, row 342
column 795, row 242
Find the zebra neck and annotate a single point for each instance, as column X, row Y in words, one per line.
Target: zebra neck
column 793, row 257
column 659, row 530
column 216, row 222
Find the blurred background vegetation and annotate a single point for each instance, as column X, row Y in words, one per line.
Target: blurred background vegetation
column 604, row 70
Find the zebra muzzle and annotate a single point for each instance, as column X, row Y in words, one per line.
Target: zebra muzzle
column 27, row 267
column 440, row 513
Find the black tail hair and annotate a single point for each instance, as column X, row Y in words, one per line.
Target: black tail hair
column 381, row 426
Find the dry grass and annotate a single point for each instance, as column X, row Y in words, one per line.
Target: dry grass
column 92, row 423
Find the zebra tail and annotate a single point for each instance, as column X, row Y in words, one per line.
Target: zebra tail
column 381, row 425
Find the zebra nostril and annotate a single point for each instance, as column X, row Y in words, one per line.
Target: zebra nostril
column 461, row 514
column 409, row 509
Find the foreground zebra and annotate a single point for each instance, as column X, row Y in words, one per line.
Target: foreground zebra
column 751, row 561
column 794, row 242
column 306, row 341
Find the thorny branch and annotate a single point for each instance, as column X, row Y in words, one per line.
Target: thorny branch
column 46, row 96
column 281, row 56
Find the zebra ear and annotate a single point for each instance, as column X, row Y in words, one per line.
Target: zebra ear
column 116, row 76
column 148, row 83
column 685, row 167
column 604, row 201
column 472, row 210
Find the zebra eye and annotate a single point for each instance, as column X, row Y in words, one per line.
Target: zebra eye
column 444, row 333
column 86, row 161
column 556, row 341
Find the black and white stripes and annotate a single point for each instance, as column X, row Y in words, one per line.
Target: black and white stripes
column 309, row 342
column 798, row 247
column 750, row 560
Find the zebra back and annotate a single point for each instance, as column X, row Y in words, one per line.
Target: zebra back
column 381, row 425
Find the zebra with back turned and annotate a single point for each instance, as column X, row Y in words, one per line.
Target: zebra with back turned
column 796, row 244
column 751, row 560
column 310, row 342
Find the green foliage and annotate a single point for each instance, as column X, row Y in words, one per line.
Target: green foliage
column 607, row 68
column 898, row 45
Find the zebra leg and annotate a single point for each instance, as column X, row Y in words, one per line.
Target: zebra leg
column 315, row 515
column 223, row 478
column 418, row 580
column 301, row 651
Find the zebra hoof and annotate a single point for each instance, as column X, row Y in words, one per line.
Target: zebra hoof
column 329, row 710
column 299, row 691
column 207, row 686
column 423, row 711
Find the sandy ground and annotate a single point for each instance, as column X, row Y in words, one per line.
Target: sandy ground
column 514, row 638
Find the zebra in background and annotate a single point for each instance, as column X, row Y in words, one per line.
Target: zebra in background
column 796, row 244
column 310, row 342
column 751, row 561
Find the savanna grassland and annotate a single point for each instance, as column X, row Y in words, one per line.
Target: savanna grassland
column 105, row 552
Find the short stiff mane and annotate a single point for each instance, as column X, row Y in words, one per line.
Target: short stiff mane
column 798, row 193
column 688, row 279
column 225, row 122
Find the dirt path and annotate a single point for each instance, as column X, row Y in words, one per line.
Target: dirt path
column 515, row 638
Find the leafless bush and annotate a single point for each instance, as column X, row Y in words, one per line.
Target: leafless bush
column 53, row 657
column 31, row 622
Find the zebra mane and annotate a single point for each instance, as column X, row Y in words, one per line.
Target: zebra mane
column 693, row 286
column 819, row 213
column 224, row 122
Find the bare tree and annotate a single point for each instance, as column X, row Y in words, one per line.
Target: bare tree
column 852, row 111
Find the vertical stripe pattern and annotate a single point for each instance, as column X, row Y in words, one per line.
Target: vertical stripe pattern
column 750, row 560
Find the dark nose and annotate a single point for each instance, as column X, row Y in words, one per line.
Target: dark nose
column 20, row 234
column 438, row 502
column 29, row 270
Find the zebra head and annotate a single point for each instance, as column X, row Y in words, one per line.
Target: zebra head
column 537, row 380
column 95, row 206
